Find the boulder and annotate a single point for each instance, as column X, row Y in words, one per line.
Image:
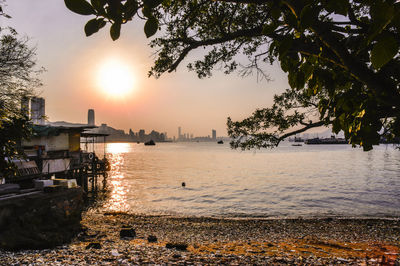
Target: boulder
column 95, row 245
column 127, row 232
column 152, row 239
column 177, row 246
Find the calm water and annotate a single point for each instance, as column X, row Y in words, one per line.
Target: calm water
column 287, row 181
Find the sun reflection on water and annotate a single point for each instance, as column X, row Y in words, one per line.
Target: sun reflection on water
column 117, row 148
column 116, row 156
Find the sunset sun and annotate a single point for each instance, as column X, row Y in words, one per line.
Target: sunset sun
column 115, row 78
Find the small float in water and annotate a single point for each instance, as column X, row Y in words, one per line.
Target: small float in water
column 220, row 142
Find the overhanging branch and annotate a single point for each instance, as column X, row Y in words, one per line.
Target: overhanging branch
column 301, row 130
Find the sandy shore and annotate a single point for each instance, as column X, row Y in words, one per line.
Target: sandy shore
column 178, row 240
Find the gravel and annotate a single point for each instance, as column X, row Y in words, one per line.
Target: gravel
column 201, row 240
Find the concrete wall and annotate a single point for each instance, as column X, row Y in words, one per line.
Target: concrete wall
column 40, row 220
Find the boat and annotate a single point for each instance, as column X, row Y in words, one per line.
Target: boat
column 297, row 145
column 220, row 142
column 331, row 140
column 150, row 143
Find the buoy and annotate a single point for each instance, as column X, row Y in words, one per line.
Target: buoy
column 183, row 184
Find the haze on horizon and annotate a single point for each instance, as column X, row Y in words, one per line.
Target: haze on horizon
column 73, row 62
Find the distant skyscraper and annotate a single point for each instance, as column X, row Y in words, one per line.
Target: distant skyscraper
column 214, row 134
column 179, row 132
column 91, row 117
column 38, row 110
column 142, row 134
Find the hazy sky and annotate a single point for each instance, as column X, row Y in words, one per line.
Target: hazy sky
column 73, row 61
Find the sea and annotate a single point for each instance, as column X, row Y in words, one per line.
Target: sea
column 287, row 181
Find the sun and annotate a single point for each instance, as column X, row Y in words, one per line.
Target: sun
column 115, row 78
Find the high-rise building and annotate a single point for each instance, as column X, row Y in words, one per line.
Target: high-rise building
column 179, row 132
column 38, row 110
column 214, row 134
column 91, row 117
column 142, row 134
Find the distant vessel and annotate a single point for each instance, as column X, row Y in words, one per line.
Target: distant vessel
column 150, row 143
column 297, row 144
column 220, row 142
column 296, row 139
column 331, row 140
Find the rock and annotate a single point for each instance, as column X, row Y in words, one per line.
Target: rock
column 127, row 232
column 115, row 253
column 177, row 246
column 53, row 188
column 152, row 239
column 342, row 260
column 95, row 245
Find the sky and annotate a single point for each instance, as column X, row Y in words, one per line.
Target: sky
column 73, row 81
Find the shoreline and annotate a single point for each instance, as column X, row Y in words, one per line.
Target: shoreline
column 261, row 218
column 210, row 240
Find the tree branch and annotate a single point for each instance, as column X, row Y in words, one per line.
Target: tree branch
column 301, row 130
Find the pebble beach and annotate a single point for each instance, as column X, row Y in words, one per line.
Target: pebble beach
column 214, row 241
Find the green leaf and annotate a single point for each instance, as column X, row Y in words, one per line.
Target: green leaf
column 269, row 28
column 152, row 3
column 382, row 14
column 275, row 12
column 337, row 6
column 290, row 19
column 285, row 45
column 93, row 26
column 98, row 5
column 114, row 11
column 80, row 7
column 147, row 12
column 307, row 17
column 293, row 80
column 115, row 31
column 384, row 50
column 130, row 7
column 151, row 26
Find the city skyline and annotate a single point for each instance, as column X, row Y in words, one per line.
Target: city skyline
column 175, row 99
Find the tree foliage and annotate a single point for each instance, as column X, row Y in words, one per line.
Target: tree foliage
column 18, row 78
column 341, row 57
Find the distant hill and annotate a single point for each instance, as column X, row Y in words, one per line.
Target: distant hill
column 65, row 124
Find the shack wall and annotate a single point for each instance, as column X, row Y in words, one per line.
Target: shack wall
column 51, row 143
column 56, row 165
